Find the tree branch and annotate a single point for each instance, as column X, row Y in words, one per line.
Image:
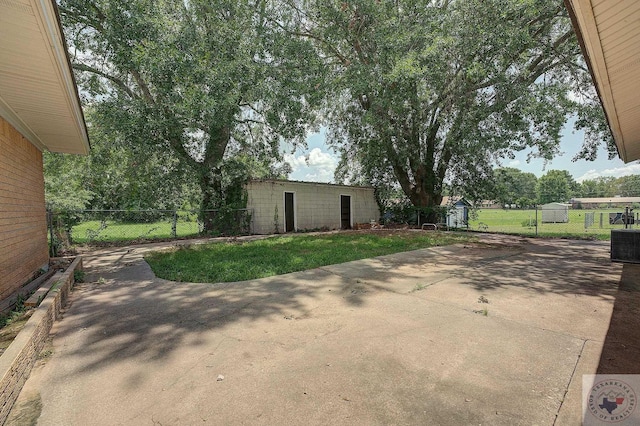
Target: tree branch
column 143, row 86
column 117, row 81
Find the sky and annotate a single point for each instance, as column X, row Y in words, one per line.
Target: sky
column 318, row 162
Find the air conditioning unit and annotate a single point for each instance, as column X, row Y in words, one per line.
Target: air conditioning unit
column 625, row 245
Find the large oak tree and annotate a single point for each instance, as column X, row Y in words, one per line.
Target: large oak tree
column 215, row 83
column 435, row 92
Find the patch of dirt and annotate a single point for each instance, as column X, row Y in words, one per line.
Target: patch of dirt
column 11, row 330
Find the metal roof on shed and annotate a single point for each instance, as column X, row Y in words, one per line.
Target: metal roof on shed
column 605, row 200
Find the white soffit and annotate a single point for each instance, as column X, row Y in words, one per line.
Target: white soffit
column 38, row 95
column 610, row 34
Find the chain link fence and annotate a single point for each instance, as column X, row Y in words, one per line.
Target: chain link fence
column 95, row 227
column 545, row 222
column 596, row 224
column 98, row 227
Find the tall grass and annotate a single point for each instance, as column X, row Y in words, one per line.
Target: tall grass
column 227, row 262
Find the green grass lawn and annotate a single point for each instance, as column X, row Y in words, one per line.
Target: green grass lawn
column 228, row 262
column 113, row 231
column 510, row 221
column 521, row 222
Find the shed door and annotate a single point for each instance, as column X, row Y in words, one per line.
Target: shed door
column 289, row 213
column 345, row 211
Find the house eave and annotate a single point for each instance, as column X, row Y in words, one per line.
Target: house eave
column 609, row 39
column 38, row 93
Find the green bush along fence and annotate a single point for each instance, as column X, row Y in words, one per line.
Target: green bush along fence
column 110, row 226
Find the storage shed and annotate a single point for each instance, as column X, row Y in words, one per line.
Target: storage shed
column 555, row 213
column 288, row 206
column 458, row 213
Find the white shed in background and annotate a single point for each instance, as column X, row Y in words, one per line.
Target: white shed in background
column 555, row 213
column 457, row 212
column 289, row 206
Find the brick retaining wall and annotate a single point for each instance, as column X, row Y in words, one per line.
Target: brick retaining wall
column 18, row 359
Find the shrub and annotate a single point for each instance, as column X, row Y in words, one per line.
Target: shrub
column 529, row 223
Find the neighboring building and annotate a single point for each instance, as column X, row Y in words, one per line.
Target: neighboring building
column 457, row 214
column 288, row 206
column 605, row 202
column 488, row 204
column 555, row 213
column 482, row 204
column 39, row 110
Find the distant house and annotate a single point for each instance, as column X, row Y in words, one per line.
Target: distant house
column 482, row 204
column 555, row 213
column 39, row 110
column 488, row 204
column 289, row 206
column 606, row 202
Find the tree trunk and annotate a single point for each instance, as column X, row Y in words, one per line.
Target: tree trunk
column 211, row 178
column 427, row 201
column 211, row 187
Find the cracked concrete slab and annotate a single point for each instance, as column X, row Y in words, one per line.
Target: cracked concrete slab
column 496, row 332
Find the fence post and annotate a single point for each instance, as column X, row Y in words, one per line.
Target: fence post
column 536, row 220
column 174, row 225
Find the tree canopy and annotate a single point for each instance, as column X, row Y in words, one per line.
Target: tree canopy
column 556, row 186
column 422, row 95
column 215, row 84
column 431, row 92
column 514, row 187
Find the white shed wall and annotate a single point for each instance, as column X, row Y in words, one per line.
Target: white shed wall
column 317, row 205
column 455, row 217
column 555, row 213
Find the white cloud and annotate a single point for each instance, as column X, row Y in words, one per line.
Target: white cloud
column 514, row 163
column 296, row 162
column 315, row 166
column 317, row 158
column 626, row 170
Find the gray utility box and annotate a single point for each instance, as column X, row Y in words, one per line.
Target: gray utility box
column 625, row 245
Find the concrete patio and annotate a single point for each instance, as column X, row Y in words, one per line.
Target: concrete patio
column 496, row 332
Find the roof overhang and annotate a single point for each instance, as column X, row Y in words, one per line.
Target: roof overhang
column 38, row 93
column 609, row 35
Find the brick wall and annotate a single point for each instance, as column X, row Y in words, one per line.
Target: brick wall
column 23, row 227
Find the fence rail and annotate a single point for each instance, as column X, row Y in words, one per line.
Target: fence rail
column 67, row 228
column 591, row 223
column 125, row 226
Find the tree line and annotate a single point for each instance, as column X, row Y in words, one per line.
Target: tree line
column 185, row 101
column 513, row 187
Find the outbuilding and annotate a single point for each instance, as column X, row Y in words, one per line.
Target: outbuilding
column 555, row 213
column 457, row 212
column 289, row 206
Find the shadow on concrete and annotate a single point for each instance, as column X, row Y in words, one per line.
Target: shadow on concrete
column 126, row 312
column 543, row 266
column 621, row 350
column 136, row 315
